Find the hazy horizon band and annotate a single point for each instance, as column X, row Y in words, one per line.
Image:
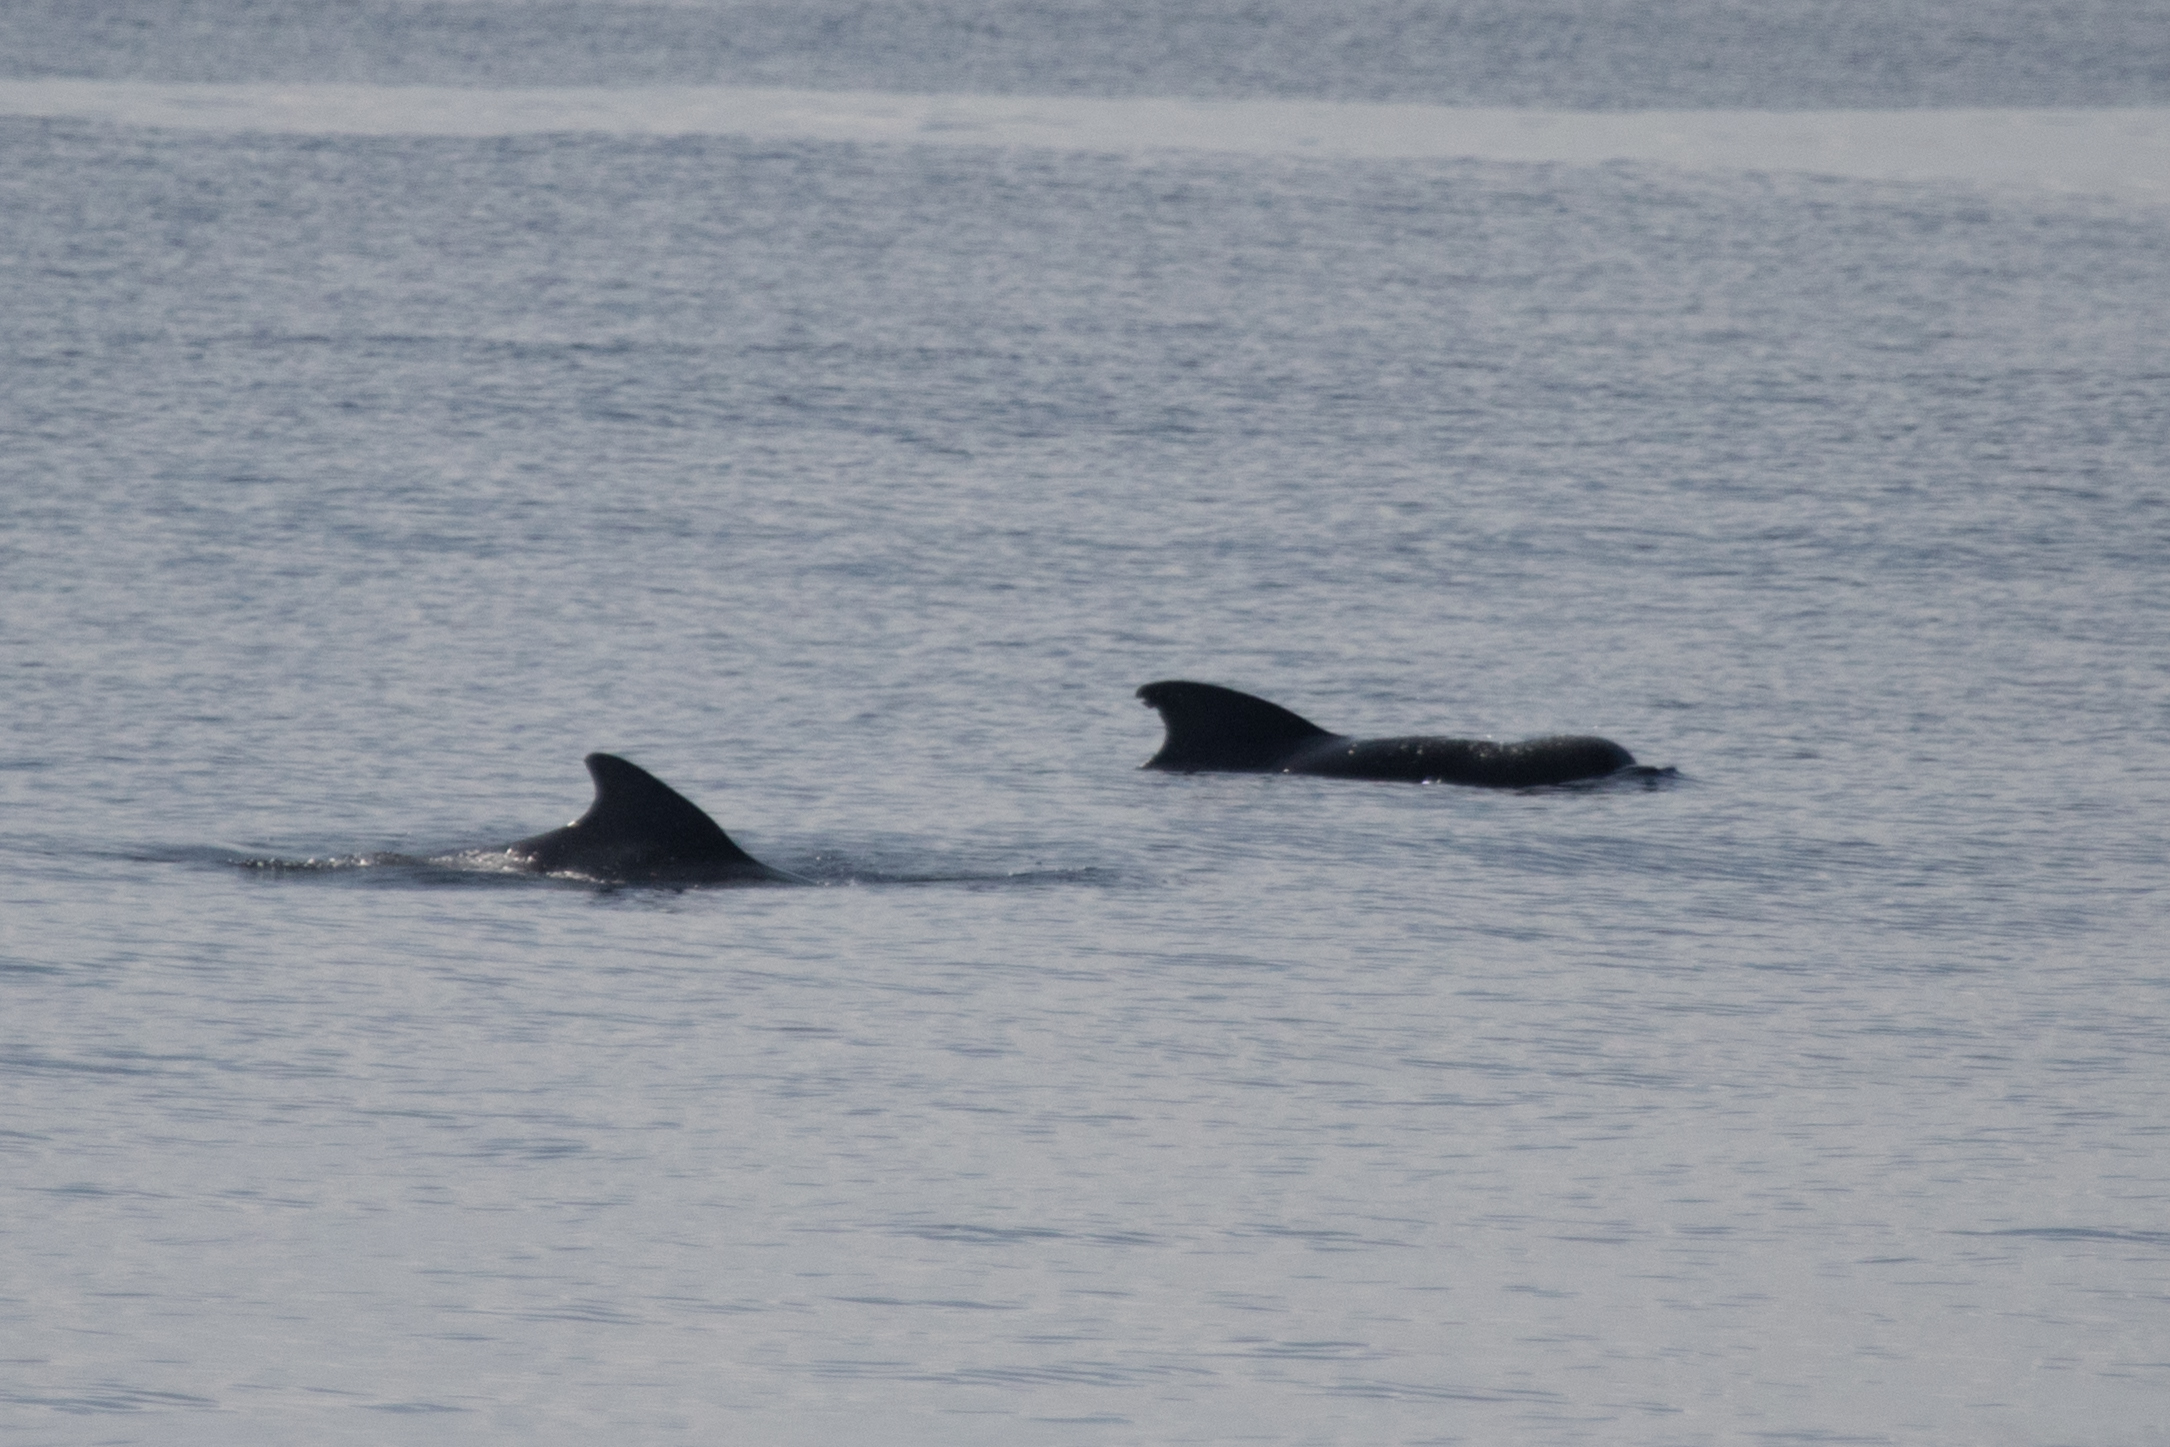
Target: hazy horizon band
column 2123, row 152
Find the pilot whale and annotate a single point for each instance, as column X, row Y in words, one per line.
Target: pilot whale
column 1218, row 730
column 640, row 830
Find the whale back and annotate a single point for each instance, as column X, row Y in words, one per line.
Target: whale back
column 638, row 827
column 1215, row 728
column 1531, row 763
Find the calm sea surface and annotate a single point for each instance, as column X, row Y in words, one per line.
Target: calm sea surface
column 352, row 487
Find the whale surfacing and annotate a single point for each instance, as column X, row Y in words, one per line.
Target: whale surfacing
column 1218, row 730
column 640, row 830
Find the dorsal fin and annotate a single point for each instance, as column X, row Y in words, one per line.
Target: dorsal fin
column 630, row 801
column 638, row 826
column 1210, row 727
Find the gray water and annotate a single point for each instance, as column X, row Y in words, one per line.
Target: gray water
column 1601, row 54
column 355, row 487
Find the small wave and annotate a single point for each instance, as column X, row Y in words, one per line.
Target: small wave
column 966, row 1234
column 2079, row 1233
column 1634, row 776
column 971, row 878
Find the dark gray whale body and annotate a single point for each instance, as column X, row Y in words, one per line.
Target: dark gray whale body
column 1214, row 729
column 640, row 830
